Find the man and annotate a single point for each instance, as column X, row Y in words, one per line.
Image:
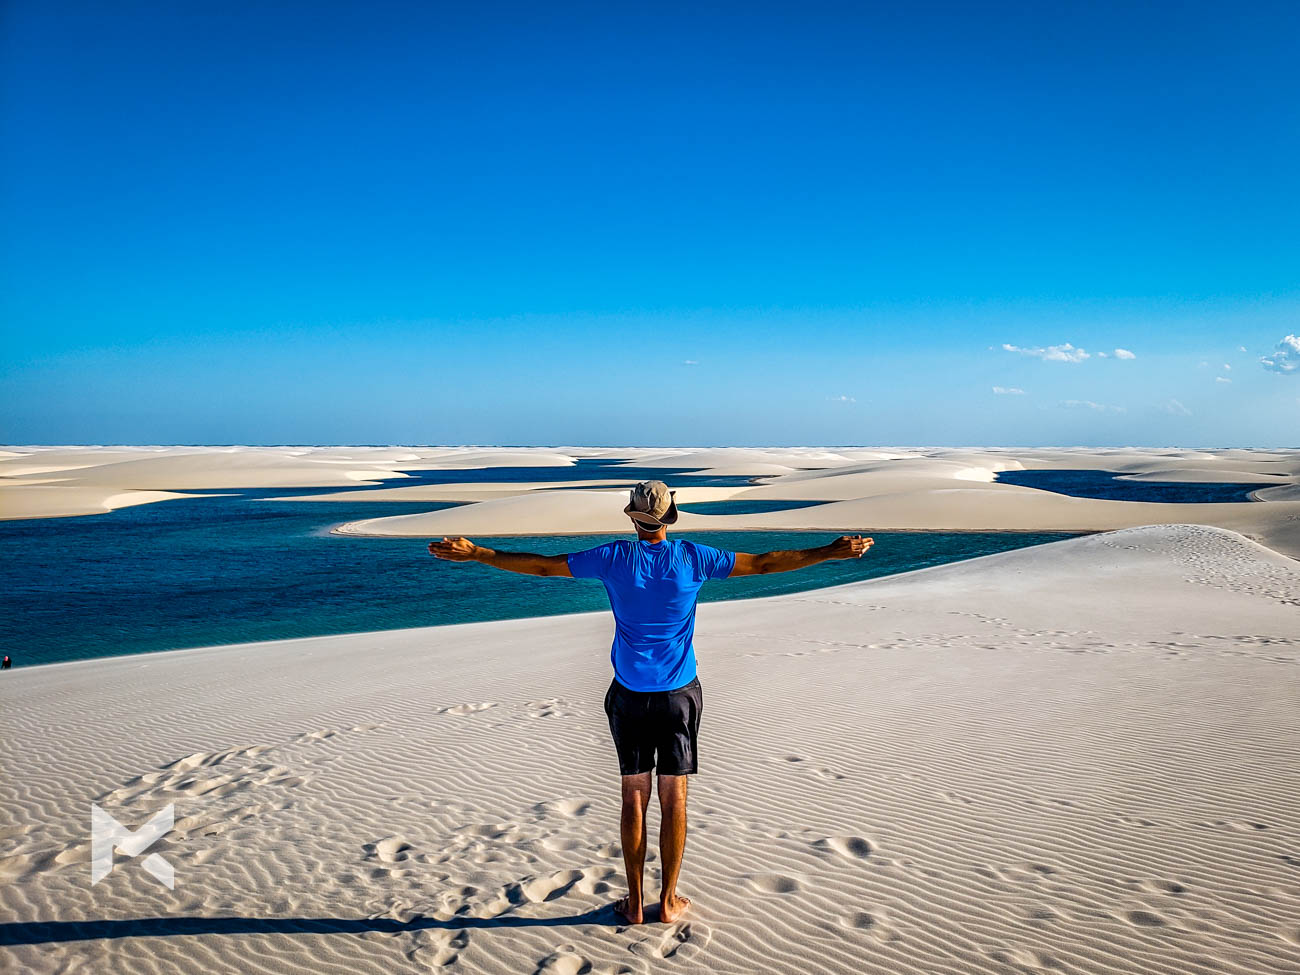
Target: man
column 654, row 701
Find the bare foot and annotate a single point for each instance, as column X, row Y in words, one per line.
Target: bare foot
column 623, row 908
column 673, row 908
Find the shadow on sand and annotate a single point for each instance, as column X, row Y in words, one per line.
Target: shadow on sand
column 44, row 932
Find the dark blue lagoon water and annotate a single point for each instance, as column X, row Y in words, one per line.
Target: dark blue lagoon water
column 583, row 469
column 742, row 507
column 1107, row 485
column 205, row 571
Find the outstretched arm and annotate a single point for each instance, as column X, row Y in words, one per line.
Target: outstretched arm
column 463, row 550
column 844, row 547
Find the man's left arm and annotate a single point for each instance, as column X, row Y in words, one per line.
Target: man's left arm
column 463, row 550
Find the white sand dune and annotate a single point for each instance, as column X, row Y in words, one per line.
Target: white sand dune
column 1288, row 492
column 1080, row 757
column 53, row 461
column 863, row 489
column 562, row 512
column 1206, row 475
column 908, row 503
column 246, row 468
column 59, row 501
column 485, row 491
column 746, row 470
column 64, row 482
column 458, row 460
column 738, row 459
column 950, row 490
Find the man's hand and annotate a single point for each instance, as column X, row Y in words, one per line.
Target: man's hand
column 850, row 547
column 453, row 549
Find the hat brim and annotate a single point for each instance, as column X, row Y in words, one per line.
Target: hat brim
column 649, row 520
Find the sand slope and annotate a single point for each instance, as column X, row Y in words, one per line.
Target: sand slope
column 1080, row 757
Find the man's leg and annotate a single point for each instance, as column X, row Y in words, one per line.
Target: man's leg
column 632, row 827
column 672, row 842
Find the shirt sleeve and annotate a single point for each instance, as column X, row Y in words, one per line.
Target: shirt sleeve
column 591, row 564
column 715, row 562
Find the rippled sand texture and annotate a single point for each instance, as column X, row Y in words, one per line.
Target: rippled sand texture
column 1080, row 757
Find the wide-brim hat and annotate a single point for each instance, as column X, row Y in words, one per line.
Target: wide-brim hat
column 652, row 505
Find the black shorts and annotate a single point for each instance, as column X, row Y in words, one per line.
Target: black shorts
column 655, row 729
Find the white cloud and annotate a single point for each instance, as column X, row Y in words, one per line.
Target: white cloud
column 1008, row 391
column 1050, row 353
column 1103, row 355
column 841, row 399
column 690, row 362
column 1174, row 408
column 1222, row 379
column 1227, row 367
column 1285, row 358
column 1124, row 354
column 1241, row 348
column 1087, row 404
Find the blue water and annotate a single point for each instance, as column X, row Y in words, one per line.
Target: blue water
column 742, row 507
column 1106, row 484
column 602, row 468
column 213, row 570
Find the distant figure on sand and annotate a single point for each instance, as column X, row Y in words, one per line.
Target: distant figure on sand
column 7, row 663
column 655, row 699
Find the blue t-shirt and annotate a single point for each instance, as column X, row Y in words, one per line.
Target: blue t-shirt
column 652, row 588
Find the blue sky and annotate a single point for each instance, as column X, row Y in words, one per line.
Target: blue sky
column 586, row 224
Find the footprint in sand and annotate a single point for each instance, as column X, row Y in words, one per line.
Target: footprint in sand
column 773, row 883
column 853, row 847
column 391, row 849
column 21, row 866
column 437, row 949
column 561, row 844
column 214, row 758
column 563, row 962
column 568, row 808
column 541, row 889
column 1163, row 886
column 828, row 773
column 1145, row 919
column 471, row 708
column 200, row 774
column 684, row 938
column 870, row 924
column 859, row 919
column 553, row 707
column 491, row 831
column 599, row 880
column 316, row 735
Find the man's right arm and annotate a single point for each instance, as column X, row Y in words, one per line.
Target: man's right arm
column 844, row 547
